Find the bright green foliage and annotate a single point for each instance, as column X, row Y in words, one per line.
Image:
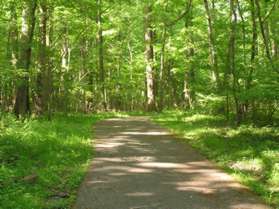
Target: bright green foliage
column 250, row 153
column 182, row 56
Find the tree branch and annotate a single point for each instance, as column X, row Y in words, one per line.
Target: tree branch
column 182, row 15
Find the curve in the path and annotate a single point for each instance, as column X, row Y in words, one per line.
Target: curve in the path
column 139, row 165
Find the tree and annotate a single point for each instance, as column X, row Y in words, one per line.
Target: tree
column 212, row 46
column 100, row 43
column 22, row 104
column 44, row 75
column 189, row 94
column 149, row 57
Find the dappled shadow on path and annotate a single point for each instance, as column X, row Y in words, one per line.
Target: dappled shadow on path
column 139, row 165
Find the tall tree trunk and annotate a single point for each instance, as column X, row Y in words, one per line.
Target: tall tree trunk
column 84, row 46
column 162, row 71
column 189, row 75
column 254, row 47
column 254, row 51
column 274, row 32
column 131, row 60
column 212, row 47
column 100, row 42
column 149, row 58
column 188, row 103
column 264, row 33
column 64, row 73
column 231, row 59
column 44, row 76
column 22, row 104
column 13, row 36
column 12, row 55
column 243, row 27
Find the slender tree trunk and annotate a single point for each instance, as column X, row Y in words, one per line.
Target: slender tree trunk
column 44, row 76
column 189, row 75
column 265, row 36
column 243, row 106
column 12, row 55
column 162, row 71
column 254, row 47
column 231, row 60
column 254, row 50
column 274, row 32
column 64, row 73
column 131, row 60
column 212, row 47
column 100, row 42
column 83, row 71
column 243, row 27
column 187, row 92
column 22, row 104
column 149, row 57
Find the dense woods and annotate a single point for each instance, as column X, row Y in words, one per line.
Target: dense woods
column 206, row 69
column 88, row 56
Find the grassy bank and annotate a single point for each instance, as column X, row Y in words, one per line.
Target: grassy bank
column 43, row 162
column 250, row 153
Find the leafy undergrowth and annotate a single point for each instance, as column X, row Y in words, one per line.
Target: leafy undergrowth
column 250, row 153
column 43, row 162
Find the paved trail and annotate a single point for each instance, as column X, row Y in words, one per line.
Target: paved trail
column 139, row 165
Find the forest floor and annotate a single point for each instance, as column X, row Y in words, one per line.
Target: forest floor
column 42, row 163
column 139, row 165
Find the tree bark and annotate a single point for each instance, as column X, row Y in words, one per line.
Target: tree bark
column 254, row 51
column 149, row 57
column 22, row 104
column 212, row 47
column 265, row 36
column 275, row 31
column 189, row 75
column 162, row 70
column 64, row 72
column 131, row 61
column 8, row 88
column 44, row 76
column 100, row 42
column 231, row 61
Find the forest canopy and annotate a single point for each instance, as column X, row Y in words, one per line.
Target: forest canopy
column 95, row 55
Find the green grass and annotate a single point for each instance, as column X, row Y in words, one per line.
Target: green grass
column 56, row 153
column 249, row 153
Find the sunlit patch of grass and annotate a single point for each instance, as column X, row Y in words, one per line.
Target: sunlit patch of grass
column 43, row 162
column 255, row 166
column 249, row 153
